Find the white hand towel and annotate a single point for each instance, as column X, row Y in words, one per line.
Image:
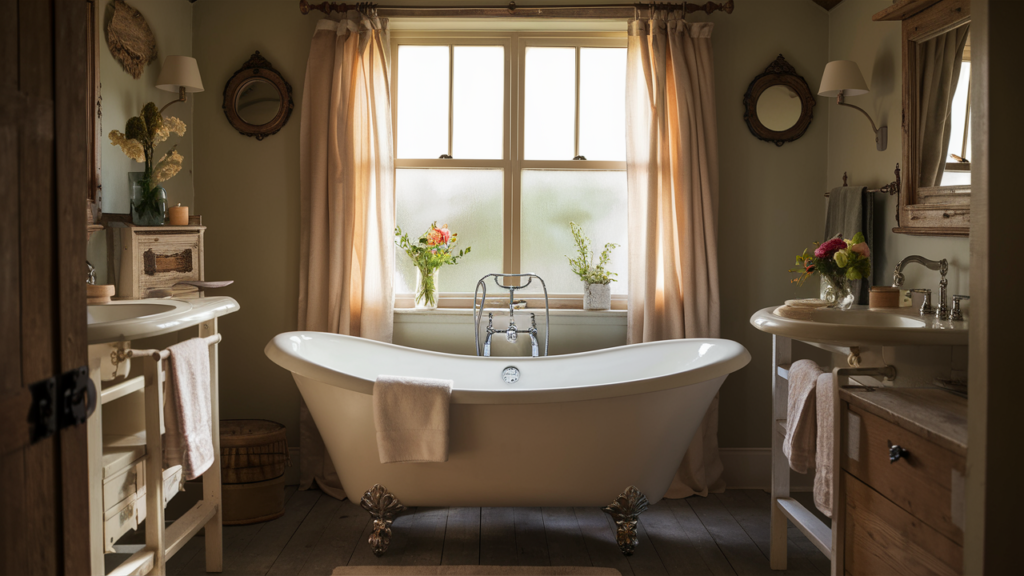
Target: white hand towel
column 801, row 423
column 823, row 454
column 411, row 417
column 188, row 423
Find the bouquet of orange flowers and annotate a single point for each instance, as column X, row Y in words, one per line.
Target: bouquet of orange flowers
column 432, row 250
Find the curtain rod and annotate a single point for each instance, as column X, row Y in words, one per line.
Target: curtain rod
column 556, row 11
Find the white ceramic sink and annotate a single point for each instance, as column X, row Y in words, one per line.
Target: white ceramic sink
column 866, row 318
column 129, row 310
column 128, row 319
column 863, row 327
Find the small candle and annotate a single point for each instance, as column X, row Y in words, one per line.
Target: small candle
column 178, row 215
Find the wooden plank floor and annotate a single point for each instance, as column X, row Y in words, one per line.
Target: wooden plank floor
column 721, row 534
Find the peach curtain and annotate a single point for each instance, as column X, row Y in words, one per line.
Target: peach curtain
column 347, row 187
column 672, row 173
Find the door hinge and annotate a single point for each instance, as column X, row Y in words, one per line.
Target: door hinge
column 60, row 402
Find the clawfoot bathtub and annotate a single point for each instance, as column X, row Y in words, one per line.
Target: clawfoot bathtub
column 570, row 430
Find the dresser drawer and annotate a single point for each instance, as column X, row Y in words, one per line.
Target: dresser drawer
column 927, row 483
column 881, row 538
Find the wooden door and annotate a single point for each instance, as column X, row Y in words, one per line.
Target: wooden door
column 44, row 177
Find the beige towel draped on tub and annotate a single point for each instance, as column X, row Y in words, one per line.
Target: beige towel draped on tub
column 188, row 420
column 411, row 418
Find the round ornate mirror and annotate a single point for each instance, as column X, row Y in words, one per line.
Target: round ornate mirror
column 778, row 104
column 257, row 100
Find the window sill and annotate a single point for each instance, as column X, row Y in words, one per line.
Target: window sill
column 465, row 315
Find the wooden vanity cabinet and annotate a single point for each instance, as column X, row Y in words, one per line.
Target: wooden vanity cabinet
column 904, row 516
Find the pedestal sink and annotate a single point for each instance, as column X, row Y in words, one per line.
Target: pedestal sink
column 861, row 326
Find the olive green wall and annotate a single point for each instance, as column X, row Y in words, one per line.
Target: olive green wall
column 770, row 200
column 247, row 192
column 124, row 97
column 875, row 46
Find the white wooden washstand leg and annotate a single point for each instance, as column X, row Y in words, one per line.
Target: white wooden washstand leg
column 212, row 477
column 154, row 390
column 97, row 354
column 782, row 357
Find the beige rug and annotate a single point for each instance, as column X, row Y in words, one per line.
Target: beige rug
column 474, row 571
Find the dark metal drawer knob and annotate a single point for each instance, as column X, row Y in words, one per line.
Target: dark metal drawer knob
column 896, row 452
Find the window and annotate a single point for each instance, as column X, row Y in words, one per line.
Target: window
column 507, row 138
column 958, row 159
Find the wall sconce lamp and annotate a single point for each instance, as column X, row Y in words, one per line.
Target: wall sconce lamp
column 843, row 78
column 179, row 74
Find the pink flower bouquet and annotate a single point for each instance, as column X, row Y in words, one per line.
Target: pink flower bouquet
column 835, row 258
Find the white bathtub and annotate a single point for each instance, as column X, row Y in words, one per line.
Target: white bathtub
column 575, row 430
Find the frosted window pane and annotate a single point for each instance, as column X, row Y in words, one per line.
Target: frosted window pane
column 603, row 103
column 422, row 101
column 958, row 120
column 470, row 202
column 479, row 94
column 550, row 104
column 595, row 200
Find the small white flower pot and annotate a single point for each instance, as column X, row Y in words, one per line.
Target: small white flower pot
column 597, row 296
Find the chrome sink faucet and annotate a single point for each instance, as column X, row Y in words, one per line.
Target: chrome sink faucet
column 942, row 266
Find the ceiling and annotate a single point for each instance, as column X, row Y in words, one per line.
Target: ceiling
column 827, row 4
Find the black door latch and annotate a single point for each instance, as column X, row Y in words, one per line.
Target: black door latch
column 60, row 402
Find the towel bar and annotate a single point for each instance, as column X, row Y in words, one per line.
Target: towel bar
column 165, row 353
column 892, row 188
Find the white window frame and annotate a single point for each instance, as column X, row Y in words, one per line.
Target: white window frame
column 512, row 164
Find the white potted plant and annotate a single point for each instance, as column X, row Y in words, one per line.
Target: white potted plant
column 597, row 290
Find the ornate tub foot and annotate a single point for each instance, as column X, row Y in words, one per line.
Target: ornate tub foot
column 383, row 508
column 626, row 510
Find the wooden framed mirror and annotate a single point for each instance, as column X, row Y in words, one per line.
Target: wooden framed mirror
column 778, row 105
column 257, row 100
column 936, row 198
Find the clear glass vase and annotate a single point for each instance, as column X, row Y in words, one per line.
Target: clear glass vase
column 426, row 289
column 149, row 201
column 837, row 292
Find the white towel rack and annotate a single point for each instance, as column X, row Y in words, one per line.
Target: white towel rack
column 162, row 542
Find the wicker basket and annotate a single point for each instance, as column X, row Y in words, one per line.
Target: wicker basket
column 253, row 458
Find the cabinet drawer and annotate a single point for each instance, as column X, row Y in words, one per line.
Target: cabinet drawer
column 123, row 483
column 927, row 483
column 165, row 260
column 881, row 538
column 122, row 517
column 128, row 513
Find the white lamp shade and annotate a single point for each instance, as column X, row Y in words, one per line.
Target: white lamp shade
column 842, row 76
column 180, row 71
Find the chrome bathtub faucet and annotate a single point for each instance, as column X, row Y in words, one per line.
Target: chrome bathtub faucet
column 942, row 312
column 512, row 332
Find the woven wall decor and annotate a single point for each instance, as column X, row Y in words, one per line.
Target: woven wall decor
column 130, row 40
